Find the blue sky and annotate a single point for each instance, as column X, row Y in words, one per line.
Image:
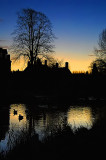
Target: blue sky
column 76, row 24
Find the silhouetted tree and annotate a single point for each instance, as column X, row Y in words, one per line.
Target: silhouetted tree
column 100, row 64
column 100, row 53
column 33, row 35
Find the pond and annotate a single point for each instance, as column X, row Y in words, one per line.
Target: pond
column 46, row 120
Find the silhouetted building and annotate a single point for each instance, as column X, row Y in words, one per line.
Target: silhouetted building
column 38, row 66
column 5, row 62
column 66, row 65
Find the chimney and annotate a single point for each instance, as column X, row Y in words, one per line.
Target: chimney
column 57, row 65
column 66, row 65
column 45, row 62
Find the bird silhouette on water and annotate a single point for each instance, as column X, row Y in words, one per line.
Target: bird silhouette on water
column 15, row 112
column 20, row 117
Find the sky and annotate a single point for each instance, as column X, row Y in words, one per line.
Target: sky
column 76, row 24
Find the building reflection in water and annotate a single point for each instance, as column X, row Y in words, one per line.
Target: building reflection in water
column 80, row 117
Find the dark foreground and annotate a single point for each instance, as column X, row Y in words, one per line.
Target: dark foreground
column 63, row 146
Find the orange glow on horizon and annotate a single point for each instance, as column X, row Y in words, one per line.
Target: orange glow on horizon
column 76, row 64
column 19, row 65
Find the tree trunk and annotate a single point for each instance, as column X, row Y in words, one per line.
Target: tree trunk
column 32, row 58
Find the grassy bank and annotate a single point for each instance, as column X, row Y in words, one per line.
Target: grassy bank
column 61, row 145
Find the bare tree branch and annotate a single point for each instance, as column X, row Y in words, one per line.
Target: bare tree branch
column 33, row 35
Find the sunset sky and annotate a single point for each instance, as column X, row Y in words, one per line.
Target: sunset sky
column 76, row 24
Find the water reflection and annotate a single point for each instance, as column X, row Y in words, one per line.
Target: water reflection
column 44, row 121
column 49, row 123
column 18, row 121
column 80, row 117
column 4, row 121
column 4, row 126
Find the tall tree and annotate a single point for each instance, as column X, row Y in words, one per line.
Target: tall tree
column 100, row 53
column 33, row 35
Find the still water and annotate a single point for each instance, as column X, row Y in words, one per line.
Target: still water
column 44, row 120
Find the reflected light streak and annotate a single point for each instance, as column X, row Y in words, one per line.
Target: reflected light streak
column 80, row 118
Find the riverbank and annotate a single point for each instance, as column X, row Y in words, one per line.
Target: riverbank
column 60, row 146
column 27, row 96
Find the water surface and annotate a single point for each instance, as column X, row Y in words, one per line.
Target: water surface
column 45, row 120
